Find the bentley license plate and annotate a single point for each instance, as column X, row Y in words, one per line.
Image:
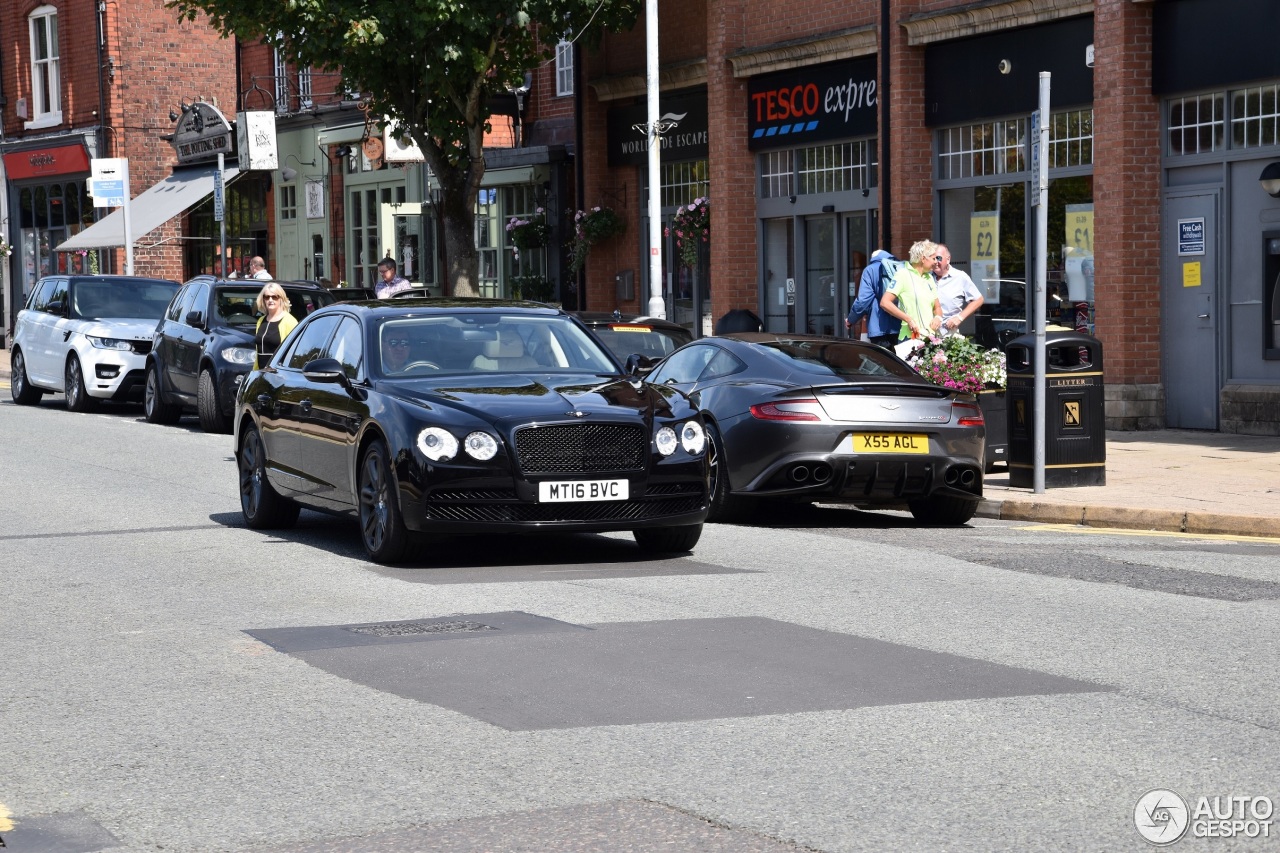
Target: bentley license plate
column 567, row 491
column 890, row 442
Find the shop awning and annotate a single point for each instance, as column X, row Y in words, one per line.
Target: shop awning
column 167, row 199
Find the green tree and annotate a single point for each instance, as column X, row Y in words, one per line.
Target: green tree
column 431, row 66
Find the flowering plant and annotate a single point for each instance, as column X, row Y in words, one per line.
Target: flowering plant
column 591, row 227
column 5, row 249
column 957, row 362
column 531, row 233
column 536, row 288
column 691, row 225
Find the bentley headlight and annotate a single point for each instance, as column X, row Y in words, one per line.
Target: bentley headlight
column 692, row 438
column 666, row 441
column 437, row 444
column 238, row 355
column 481, row 446
column 109, row 343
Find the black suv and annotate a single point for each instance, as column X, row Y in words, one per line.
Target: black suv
column 203, row 346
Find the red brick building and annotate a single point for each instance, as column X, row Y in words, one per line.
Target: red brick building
column 826, row 131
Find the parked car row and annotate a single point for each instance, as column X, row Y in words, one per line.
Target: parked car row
column 432, row 416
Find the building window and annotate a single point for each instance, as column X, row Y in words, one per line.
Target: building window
column 1197, row 124
column 46, row 88
column 288, row 202
column 1071, row 139
column 304, row 87
column 683, row 182
column 833, row 168
column 1255, row 115
column 564, row 68
column 978, row 150
column 777, row 174
column 281, row 71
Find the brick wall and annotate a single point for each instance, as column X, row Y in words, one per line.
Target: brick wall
column 734, row 244
column 909, row 143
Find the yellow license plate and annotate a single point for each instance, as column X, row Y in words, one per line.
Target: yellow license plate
column 890, row 442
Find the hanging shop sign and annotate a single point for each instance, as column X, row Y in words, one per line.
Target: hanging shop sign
column 686, row 140
column 820, row 103
column 201, row 134
column 46, row 162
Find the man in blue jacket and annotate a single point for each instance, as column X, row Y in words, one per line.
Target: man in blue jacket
column 882, row 328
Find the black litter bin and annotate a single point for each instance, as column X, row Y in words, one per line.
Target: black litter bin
column 1075, row 438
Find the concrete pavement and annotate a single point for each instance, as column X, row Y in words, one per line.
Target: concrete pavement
column 1165, row 480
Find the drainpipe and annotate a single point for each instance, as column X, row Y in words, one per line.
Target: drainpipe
column 886, row 207
column 579, row 170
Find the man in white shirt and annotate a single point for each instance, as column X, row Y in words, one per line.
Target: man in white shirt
column 258, row 268
column 957, row 293
column 391, row 283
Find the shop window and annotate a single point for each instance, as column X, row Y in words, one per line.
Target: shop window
column 1197, row 124
column 281, row 72
column 839, row 167
column 525, row 272
column 1255, row 116
column 1071, row 139
column 304, row 88
column 46, row 85
column 981, row 150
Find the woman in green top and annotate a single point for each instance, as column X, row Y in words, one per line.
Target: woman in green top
column 274, row 325
column 913, row 299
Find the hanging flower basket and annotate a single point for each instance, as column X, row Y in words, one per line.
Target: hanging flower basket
column 957, row 362
column 590, row 227
column 692, row 228
column 531, row 233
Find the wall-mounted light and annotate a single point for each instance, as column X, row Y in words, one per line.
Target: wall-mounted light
column 289, row 174
column 1005, row 66
column 1270, row 180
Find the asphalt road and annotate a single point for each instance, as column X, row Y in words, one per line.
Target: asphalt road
column 831, row 680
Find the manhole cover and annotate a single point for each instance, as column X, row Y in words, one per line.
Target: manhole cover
column 408, row 629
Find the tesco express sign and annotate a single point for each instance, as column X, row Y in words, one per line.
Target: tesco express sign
column 806, row 105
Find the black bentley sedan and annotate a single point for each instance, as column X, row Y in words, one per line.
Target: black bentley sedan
column 203, row 346
column 806, row 418
column 465, row 417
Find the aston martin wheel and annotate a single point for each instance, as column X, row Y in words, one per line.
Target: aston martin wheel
column 211, row 417
column 155, row 408
column 21, row 389
column 381, row 525
column 725, row 508
column 78, row 399
column 942, row 511
column 668, row 540
column 262, row 506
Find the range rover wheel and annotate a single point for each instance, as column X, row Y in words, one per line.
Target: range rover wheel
column 21, row 389
column 78, row 399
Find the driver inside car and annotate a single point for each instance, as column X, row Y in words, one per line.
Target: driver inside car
column 395, row 351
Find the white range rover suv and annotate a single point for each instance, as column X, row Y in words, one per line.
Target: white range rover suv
column 87, row 336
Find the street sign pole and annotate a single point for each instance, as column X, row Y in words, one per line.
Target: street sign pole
column 1041, row 176
column 124, row 207
column 218, row 190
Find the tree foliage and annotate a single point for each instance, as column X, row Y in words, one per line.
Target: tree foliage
column 430, row 65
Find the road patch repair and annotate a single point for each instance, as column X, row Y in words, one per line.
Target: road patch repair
column 67, row 832
column 524, row 672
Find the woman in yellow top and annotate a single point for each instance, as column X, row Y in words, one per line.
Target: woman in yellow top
column 913, row 298
column 274, row 325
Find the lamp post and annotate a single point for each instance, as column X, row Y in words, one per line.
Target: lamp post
column 657, row 307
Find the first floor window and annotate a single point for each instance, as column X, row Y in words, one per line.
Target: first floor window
column 45, row 80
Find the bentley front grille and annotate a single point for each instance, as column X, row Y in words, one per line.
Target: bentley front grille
column 582, row 449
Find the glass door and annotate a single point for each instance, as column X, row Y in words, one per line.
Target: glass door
column 779, row 275
column 820, row 276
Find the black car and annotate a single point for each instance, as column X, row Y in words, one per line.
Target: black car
column 353, row 294
column 466, row 417
column 626, row 335
column 203, row 346
column 812, row 418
